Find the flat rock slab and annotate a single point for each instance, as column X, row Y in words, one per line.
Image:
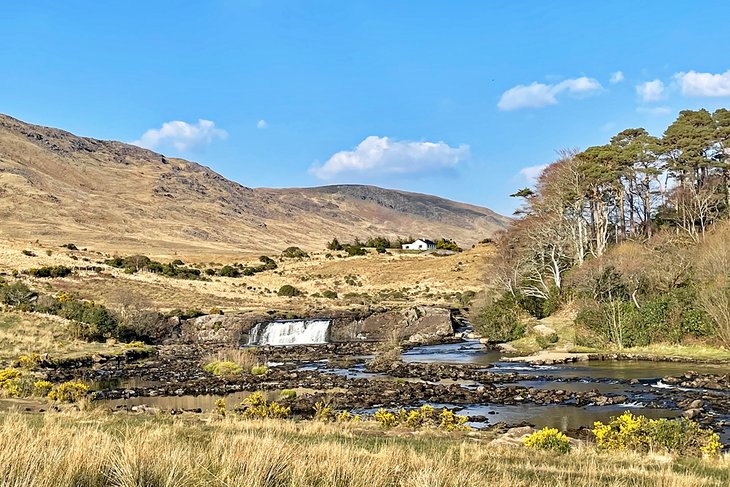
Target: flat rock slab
column 547, row 358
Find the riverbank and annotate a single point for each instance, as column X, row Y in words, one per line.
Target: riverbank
column 95, row 449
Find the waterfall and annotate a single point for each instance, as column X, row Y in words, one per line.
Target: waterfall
column 297, row 332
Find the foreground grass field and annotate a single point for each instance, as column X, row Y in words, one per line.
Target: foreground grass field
column 93, row 449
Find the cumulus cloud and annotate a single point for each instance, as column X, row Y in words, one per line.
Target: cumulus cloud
column 697, row 84
column 538, row 95
column 532, row 173
column 181, row 136
column 262, row 124
column 616, row 77
column 378, row 156
column 650, row 91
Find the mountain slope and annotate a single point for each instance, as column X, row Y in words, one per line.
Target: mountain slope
column 58, row 187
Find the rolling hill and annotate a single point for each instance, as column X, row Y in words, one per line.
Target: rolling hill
column 58, row 187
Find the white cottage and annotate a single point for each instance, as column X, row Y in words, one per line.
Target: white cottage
column 420, row 244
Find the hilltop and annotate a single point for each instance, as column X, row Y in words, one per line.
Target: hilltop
column 57, row 187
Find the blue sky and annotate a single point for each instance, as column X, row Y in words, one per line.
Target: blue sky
column 450, row 98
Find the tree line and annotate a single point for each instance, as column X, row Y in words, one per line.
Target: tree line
column 630, row 189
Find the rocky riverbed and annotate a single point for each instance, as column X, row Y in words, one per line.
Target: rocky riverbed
column 462, row 375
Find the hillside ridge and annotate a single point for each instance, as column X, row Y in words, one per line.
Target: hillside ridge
column 57, row 186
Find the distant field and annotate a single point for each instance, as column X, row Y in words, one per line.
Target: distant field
column 378, row 279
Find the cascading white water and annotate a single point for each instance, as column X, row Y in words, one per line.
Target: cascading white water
column 299, row 332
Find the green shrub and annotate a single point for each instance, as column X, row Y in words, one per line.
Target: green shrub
column 90, row 313
column 329, row 294
column 355, row 250
column 29, row 253
column 16, row 294
column 334, row 245
column 447, row 244
column 638, row 433
column 500, row 320
column 548, row 439
column 289, row 291
column 294, row 253
column 70, row 246
column 223, row 368
column 229, row 271
column 268, row 264
column 289, row 394
column 546, row 341
column 259, row 370
column 50, row 271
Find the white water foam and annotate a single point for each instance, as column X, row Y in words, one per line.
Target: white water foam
column 298, row 332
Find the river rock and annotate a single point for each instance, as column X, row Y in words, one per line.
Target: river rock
column 692, row 413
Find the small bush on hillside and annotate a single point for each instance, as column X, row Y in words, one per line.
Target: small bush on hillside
column 268, row 264
column 355, row 250
column 289, row 291
column 447, row 244
column 50, row 271
column 16, row 294
column 29, row 253
column 548, row 439
column 70, row 246
column 294, row 253
column 334, row 245
column 228, row 271
column 329, row 294
column 96, row 315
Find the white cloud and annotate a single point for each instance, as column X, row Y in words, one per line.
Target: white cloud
column 693, row 83
column 532, row 173
column 376, row 156
column 650, row 90
column 262, row 124
column 538, row 95
column 181, row 135
column 616, row 77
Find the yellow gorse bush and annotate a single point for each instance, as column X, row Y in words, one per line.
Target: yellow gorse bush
column 425, row 417
column 257, row 407
column 71, row 391
column 548, row 439
column 639, row 433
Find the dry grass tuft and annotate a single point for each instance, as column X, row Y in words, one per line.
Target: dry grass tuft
column 92, row 449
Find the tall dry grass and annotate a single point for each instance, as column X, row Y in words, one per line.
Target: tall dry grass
column 87, row 449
